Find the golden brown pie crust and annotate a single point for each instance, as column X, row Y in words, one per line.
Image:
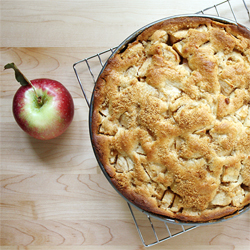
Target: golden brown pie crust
column 171, row 119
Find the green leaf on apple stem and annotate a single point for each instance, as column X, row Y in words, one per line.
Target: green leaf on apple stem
column 18, row 74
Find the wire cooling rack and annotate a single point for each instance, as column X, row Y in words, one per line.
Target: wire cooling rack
column 151, row 230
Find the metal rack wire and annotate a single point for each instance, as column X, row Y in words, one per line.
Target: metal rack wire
column 226, row 4
column 87, row 71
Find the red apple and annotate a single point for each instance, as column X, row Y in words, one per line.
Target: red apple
column 43, row 108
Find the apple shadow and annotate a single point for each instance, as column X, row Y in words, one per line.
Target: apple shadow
column 54, row 153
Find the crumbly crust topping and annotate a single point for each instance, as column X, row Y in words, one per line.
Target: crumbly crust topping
column 171, row 119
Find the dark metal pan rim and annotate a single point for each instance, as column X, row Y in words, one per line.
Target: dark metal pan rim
column 128, row 40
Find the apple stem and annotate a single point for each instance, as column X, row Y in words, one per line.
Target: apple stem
column 22, row 79
column 39, row 100
column 38, row 97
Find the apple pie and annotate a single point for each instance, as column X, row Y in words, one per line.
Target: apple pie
column 171, row 119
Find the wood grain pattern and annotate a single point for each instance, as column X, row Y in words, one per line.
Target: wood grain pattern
column 74, row 23
column 53, row 194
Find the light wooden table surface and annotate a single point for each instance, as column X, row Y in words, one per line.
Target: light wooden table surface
column 53, row 194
